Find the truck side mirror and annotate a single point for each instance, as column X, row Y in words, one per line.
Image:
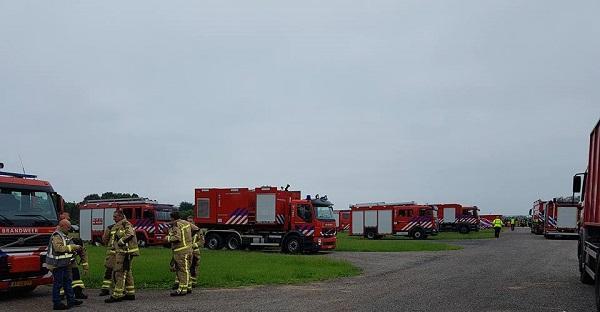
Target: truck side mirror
column 576, row 184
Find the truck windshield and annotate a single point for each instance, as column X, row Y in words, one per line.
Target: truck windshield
column 325, row 213
column 27, row 208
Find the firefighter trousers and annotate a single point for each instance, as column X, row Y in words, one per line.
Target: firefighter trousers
column 109, row 263
column 183, row 260
column 194, row 267
column 122, row 277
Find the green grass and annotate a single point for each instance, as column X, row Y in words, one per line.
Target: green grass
column 226, row 268
column 388, row 244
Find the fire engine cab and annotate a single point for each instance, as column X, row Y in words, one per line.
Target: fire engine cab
column 29, row 210
column 149, row 218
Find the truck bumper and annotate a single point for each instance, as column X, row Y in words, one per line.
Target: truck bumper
column 6, row 285
column 322, row 244
column 561, row 234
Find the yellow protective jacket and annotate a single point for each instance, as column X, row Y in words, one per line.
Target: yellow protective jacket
column 180, row 236
column 61, row 252
column 124, row 241
column 497, row 223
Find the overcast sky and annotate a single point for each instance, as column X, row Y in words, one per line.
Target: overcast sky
column 486, row 103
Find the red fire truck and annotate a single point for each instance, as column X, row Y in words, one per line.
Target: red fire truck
column 538, row 217
column 149, row 218
column 561, row 218
column 485, row 221
column 589, row 230
column 237, row 218
column 342, row 220
column 29, row 210
column 375, row 220
column 455, row 217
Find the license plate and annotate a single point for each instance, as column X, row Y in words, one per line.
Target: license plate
column 21, row 283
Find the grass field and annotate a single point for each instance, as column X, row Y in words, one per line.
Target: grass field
column 388, row 244
column 226, row 268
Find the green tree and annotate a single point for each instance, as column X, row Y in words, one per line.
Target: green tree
column 186, row 209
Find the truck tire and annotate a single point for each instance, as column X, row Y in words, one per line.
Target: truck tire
column 370, row 235
column 584, row 277
column 418, row 234
column 141, row 239
column 213, row 241
column 463, row 229
column 233, row 242
column 597, row 288
column 292, row 245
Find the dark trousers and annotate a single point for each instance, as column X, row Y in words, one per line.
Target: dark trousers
column 62, row 279
column 512, row 227
column 497, row 231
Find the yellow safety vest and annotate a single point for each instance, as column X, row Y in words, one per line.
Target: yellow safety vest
column 497, row 223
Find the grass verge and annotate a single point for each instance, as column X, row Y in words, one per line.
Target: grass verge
column 388, row 244
column 226, row 268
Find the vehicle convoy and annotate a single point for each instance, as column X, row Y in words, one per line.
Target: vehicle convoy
column 485, row 221
column 455, row 217
column 342, row 220
column 538, row 217
column 29, row 210
column 561, row 218
column 149, row 218
column 237, row 218
column 375, row 220
column 589, row 231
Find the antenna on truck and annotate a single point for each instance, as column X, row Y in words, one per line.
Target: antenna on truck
column 22, row 167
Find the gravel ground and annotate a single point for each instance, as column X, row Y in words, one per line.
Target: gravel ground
column 518, row 272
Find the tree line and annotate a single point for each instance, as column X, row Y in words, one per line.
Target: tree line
column 185, row 208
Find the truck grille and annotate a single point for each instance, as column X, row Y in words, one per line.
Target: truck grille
column 40, row 241
column 328, row 232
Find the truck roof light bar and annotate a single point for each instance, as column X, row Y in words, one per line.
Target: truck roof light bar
column 17, row 175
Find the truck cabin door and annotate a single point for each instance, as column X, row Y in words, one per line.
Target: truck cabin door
column 303, row 214
column 403, row 217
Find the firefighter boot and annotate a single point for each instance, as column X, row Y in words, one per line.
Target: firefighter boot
column 175, row 286
column 60, row 306
column 129, row 297
column 79, row 293
column 104, row 292
column 74, row 303
column 178, row 293
column 112, row 299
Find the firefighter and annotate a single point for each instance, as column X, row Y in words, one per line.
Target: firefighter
column 497, row 223
column 59, row 259
column 109, row 261
column 77, row 283
column 512, row 224
column 125, row 246
column 197, row 243
column 180, row 237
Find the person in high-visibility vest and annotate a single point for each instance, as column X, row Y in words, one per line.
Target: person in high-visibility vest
column 497, row 223
column 512, row 224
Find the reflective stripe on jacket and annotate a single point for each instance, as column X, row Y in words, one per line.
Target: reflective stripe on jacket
column 60, row 251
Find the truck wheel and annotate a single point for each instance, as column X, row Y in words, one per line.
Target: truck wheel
column 370, row 235
column 292, row 245
column 233, row 242
column 418, row 234
column 584, row 277
column 214, row 241
column 141, row 240
column 463, row 229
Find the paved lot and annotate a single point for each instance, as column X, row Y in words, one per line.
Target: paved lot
column 518, row 272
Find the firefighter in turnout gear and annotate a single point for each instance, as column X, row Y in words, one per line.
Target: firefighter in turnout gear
column 497, row 223
column 61, row 252
column 77, row 283
column 197, row 243
column 180, row 237
column 108, row 240
column 125, row 246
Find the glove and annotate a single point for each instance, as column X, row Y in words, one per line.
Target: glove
column 121, row 243
column 86, row 270
column 173, row 265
